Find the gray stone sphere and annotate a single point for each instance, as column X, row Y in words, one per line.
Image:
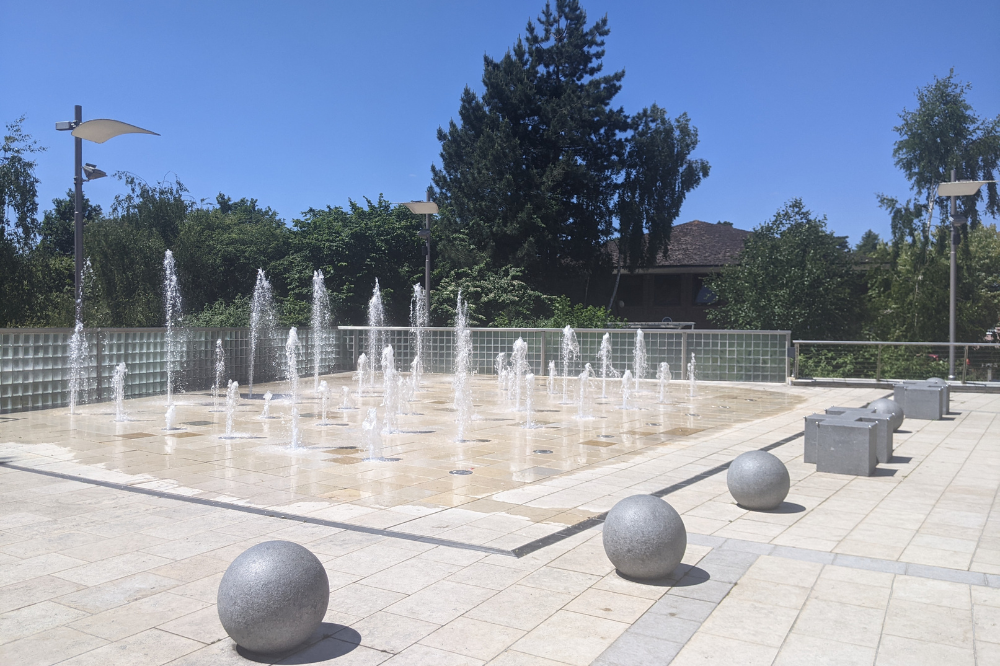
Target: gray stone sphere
column 644, row 537
column 273, row 597
column 890, row 408
column 937, row 381
column 758, row 480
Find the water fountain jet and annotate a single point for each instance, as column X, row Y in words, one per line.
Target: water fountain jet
column 118, row 383
column 263, row 320
column 569, row 348
column 172, row 312
column 376, row 336
column 319, row 323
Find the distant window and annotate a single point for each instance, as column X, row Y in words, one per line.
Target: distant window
column 667, row 289
column 702, row 294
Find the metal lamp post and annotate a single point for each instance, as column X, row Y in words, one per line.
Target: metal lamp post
column 98, row 131
column 425, row 208
column 955, row 189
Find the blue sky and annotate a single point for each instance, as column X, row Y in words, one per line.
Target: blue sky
column 308, row 104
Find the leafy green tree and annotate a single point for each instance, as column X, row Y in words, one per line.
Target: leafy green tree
column 56, row 233
column 125, row 287
column 353, row 248
column 868, row 244
column 219, row 250
column 18, row 187
column 18, row 222
column 794, row 275
column 160, row 207
column 530, row 170
column 495, row 297
column 945, row 133
column 908, row 288
column 659, row 173
column 541, row 169
column 578, row 315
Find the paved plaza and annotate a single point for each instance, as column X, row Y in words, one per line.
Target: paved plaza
column 114, row 536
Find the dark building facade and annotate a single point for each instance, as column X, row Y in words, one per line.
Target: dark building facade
column 674, row 286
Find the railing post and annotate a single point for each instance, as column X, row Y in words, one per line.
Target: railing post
column 100, row 374
column 795, row 374
column 878, row 363
column 355, row 342
column 684, row 355
column 965, row 363
column 542, row 370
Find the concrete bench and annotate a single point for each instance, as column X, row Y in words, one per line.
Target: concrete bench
column 883, row 432
column 921, row 400
column 883, row 445
column 846, row 446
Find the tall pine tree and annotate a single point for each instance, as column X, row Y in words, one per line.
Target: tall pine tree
column 533, row 171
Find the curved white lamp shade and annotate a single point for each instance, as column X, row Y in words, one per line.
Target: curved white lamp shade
column 100, row 130
column 422, row 207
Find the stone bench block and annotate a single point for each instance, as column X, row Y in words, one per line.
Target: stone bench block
column 921, row 400
column 846, row 446
column 883, row 448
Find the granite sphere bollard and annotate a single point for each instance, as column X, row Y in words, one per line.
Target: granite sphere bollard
column 644, row 537
column 890, row 408
column 758, row 480
column 273, row 597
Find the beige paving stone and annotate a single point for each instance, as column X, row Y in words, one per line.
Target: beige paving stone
column 515, row 658
column 610, row 605
column 851, row 624
column 750, row 621
column 441, row 602
column 987, row 623
column 33, row 591
column 520, row 607
column 361, row 601
column 117, row 592
column 388, row 632
column 570, row 637
column 899, row 651
column 410, row 576
column 151, row 647
column 767, row 592
column 473, row 638
column 710, row 650
column 928, row 622
column 486, row 575
column 132, row 618
column 799, row 650
column 928, row 591
column 48, row 647
column 572, row 582
column 112, row 568
column 784, row 571
column 423, row 655
column 32, row 619
column 202, row 625
column 34, row 567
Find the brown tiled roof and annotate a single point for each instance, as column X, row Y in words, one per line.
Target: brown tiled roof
column 698, row 243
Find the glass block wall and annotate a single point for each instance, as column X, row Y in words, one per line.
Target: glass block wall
column 753, row 356
column 35, row 365
column 35, row 368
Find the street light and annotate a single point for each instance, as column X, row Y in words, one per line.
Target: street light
column 955, row 189
column 98, row 131
column 425, row 208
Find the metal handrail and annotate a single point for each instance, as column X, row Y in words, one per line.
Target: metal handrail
column 895, row 344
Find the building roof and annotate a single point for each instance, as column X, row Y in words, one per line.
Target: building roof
column 698, row 243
